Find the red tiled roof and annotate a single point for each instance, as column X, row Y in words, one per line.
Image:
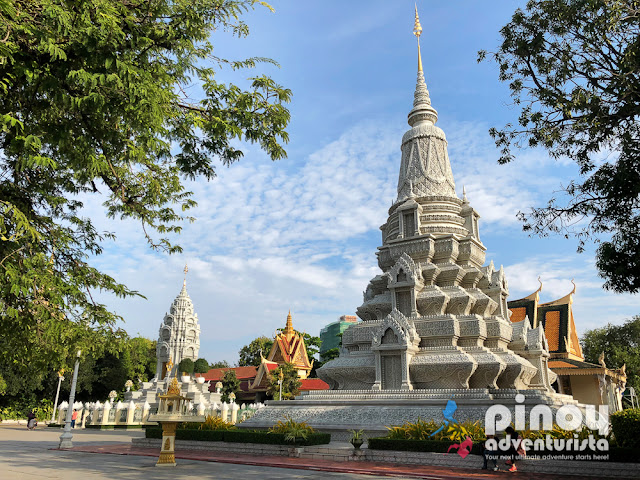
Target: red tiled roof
column 271, row 366
column 242, row 373
column 313, row 384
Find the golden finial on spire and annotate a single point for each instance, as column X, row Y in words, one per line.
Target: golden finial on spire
column 289, row 328
column 417, row 31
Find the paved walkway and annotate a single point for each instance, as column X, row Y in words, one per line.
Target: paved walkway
column 109, row 455
column 361, row 468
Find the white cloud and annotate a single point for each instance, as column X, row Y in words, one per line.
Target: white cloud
column 302, row 235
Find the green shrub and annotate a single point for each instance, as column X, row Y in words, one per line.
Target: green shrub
column 421, row 430
column 626, row 427
column 293, row 431
column 408, row 445
column 240, row 436
column 43, row 410
column 153, row 432
column 201, row 366
column 200, row 435
column 264, row 437
column 186, row 366
column 212, row 422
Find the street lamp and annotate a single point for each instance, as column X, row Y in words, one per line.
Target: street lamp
column 280, row 379
column 55, row 404
column 65, row 438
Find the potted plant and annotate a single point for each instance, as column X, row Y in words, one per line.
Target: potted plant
column 186, row 367
column 201, row 366
column 128, row 384
column 356, row 438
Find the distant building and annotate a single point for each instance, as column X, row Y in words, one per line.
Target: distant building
column 330, row 334
column 288, row 347
column 589, row 383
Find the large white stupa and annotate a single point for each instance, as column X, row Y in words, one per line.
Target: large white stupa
column 435, row 323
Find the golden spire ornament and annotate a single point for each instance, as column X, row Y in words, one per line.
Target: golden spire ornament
column 417, row 31
column 186, row 270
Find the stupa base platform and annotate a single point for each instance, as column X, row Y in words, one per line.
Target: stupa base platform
column 337, row 411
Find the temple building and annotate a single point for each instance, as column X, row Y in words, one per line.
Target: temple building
column 178, row 338
column 435, row 321
column 179, row 333
column 589, row 383
column 288, row 347
column 436, row 317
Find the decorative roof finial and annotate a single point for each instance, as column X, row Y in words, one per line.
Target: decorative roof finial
column 574, row 287
column 186, row 270
column 289, row 328
column 422, row 111
column 464, row 195
column 417, row 31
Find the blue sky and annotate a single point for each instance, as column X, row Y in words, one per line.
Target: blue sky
column 301, row 233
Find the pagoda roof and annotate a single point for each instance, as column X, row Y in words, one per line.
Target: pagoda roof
column 216, row 374
column 557, row 319
column 313, row 384
column 570, row 366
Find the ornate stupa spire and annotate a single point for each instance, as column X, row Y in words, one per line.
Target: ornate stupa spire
column 186, row 270
column 288, row 329
column 417, row 31
column 425, row 169
column 179, row 334
column 422, row 111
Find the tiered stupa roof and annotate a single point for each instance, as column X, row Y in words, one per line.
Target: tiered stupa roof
column 436, row 317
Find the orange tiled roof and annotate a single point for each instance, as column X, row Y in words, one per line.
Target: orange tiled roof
column 313, row 384
column 518, row 314
column 242, row 373
column 552, row 329
column 560, row 364
column 575, row 343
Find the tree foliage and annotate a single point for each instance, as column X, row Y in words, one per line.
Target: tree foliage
column 290, row 382
column 621, row 346
column 250, row 354
column 220, row 364
column 97, row 375
column 573, row 66
column 230, row 384
column 201, row 366
column 186, row 366
column 118, row 100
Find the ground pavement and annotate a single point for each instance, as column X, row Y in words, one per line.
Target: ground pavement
column 102, row 455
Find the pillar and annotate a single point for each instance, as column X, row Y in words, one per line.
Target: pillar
column 131, row 411
column 234, row 412
column 105, row 413
column 167, row 456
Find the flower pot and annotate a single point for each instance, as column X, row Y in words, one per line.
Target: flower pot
column 357, row 443
column 200, row 379
column 185, row 378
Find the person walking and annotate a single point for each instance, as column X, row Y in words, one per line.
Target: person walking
column 516, row 450
column 489, row 454
column 74, row 417
column 31, row 420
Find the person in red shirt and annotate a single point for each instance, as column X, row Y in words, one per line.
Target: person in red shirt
column 74, row 417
